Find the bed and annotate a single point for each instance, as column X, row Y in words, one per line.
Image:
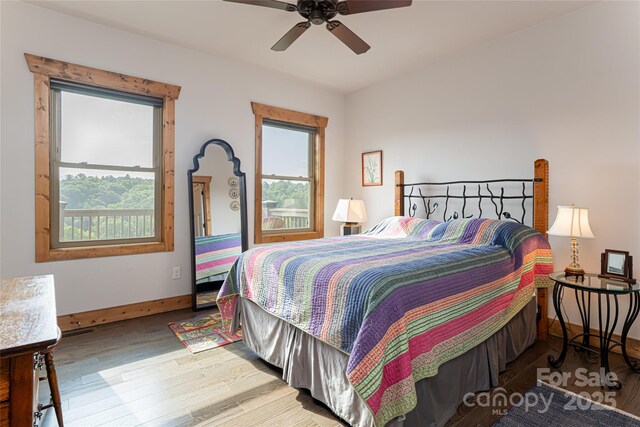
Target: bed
column 394, row 326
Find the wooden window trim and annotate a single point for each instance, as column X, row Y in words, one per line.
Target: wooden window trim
column 206, row 183
column 268, row 112
column 43, row 70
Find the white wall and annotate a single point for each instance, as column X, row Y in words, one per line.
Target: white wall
column 567, row 90
column 214, row 103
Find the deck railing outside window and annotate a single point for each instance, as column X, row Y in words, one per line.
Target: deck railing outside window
column 105, row 224
column 286, row 218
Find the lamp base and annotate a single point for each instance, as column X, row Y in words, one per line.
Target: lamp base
column 350, row 228
column 573, row 271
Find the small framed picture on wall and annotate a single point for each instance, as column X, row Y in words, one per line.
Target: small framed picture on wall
column 372, row 168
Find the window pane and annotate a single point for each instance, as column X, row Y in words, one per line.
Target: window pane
column 104, row 131
column 285, row 152
column 285, row 204
column 100, row 205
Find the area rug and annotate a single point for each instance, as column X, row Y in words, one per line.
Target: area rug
column 204, row 333
column 545, row 405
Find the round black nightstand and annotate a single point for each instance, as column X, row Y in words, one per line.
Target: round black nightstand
column 607, row 292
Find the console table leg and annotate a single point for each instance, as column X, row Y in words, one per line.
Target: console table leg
column 605, row 336
column 632, row 314
column 557, row 300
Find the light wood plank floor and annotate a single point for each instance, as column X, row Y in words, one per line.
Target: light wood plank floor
column 136, row 372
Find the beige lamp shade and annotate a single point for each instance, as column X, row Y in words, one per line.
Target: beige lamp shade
column 572, row 221
column 350, row 210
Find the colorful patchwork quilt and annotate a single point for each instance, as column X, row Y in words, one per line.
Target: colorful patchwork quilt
column 216, row 254
column 400, row 299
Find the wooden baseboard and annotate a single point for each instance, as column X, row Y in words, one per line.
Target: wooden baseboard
column 633, row 345
column 86, row 319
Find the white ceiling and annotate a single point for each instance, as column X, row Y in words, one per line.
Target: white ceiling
column 400, row 39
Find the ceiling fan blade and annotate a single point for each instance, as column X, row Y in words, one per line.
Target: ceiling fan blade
column 349, row 7
column 275, row 4
column 348, row 37
column 291, row 36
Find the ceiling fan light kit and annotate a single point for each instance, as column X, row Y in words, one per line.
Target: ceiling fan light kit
column 318, row 12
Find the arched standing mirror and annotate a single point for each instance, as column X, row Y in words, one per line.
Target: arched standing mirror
column 218, row 216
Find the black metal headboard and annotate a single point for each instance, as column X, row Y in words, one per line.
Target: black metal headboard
column 438, row 198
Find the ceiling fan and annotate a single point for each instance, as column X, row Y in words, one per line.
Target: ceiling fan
column 318, row 12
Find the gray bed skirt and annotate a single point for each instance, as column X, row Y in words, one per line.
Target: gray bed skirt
column 309, row 363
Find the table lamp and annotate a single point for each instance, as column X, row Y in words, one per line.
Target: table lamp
column 573, row 222
column 351, row 212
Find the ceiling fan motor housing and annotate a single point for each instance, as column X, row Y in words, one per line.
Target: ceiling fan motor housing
column 317, row 11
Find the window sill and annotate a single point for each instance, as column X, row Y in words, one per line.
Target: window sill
column 62, row 254
column 288, row 237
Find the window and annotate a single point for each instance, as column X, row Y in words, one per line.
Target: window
column 289, row 175
column 106, row 170
column 287, row 180
column 104, row 162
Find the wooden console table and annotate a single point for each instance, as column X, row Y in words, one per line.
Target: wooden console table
column 28, row 327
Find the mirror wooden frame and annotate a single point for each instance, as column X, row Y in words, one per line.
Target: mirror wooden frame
column 242, row 185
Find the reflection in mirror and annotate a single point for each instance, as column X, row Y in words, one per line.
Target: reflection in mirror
column 202, row 205
column 217, row 222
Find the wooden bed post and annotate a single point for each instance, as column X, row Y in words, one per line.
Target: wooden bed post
column 398, row 206
column 541, row 223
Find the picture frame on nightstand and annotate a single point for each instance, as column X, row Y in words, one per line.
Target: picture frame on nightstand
column 616, row 265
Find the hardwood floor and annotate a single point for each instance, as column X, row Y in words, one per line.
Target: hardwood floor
column 136, row 372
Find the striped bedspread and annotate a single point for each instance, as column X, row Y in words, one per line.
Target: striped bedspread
column 400, row 299
column 216, row 254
